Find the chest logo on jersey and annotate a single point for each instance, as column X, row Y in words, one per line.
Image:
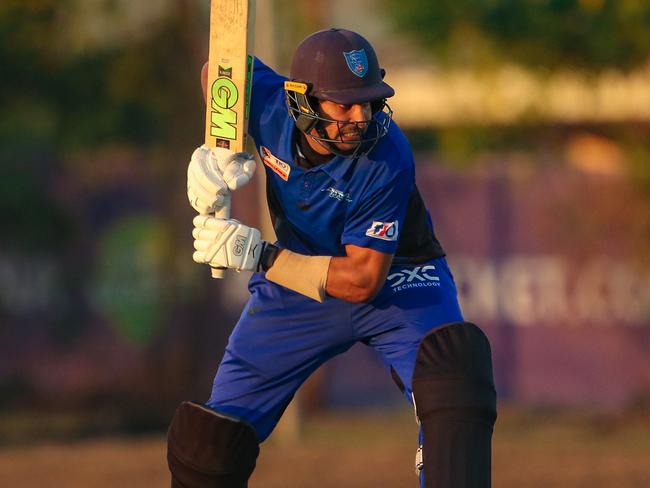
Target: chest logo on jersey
column 386, row 231
column 420, row 277
column 338, row 194
column 278, row 166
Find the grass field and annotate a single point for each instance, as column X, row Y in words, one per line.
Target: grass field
column 364, row 450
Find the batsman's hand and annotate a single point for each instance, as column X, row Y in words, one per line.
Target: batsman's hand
column 226, row 243
column 213, row 173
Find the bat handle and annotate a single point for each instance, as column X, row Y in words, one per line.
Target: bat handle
column 222, row 213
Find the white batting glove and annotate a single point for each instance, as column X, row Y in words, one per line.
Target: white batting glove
column 226, row 243
column 213, row 173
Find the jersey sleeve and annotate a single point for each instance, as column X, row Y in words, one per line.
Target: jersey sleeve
column 377, row 221
column 267, row 85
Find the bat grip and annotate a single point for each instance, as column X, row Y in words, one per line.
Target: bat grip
column 222, row 213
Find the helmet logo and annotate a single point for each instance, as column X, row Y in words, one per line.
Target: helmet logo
column 357, row 62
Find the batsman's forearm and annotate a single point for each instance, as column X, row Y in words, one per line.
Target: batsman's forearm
column 357, row 278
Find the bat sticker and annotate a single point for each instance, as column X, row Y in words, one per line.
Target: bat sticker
column 223, row 118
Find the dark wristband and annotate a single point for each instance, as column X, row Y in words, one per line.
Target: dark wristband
column 269, row 253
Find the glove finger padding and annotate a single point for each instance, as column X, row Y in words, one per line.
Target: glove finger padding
column 207, row 190
column 239, row 170
column 226, row 243
column 200, row 203
column 205, row 186
column 209, row 222
column 205, row 239
column 213, row 173
column 205, row 174
column 202, row 244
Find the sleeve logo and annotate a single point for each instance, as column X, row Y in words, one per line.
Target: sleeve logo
column 278, row 166
column 386, row 231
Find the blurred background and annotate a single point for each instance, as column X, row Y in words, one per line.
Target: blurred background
column 530, row 122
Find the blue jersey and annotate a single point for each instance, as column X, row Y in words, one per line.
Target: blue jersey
column 361, row 201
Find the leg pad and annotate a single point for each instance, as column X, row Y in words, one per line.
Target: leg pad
column 455, row 401
column 206, row 449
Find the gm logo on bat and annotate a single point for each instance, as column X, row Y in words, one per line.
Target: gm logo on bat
column 224, row 97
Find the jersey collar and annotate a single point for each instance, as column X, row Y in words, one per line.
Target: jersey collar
column 337, row 168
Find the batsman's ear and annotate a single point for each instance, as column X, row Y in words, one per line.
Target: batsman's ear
column 204, row 81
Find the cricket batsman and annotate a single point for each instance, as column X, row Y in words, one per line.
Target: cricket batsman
column 356, row 260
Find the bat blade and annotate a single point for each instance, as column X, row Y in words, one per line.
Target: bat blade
column 230, row 73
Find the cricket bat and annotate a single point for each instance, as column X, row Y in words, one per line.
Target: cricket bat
column 230, row 73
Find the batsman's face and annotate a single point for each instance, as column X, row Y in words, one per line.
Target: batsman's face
column 351, row 123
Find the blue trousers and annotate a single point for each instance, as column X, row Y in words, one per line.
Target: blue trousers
column 282, row 337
